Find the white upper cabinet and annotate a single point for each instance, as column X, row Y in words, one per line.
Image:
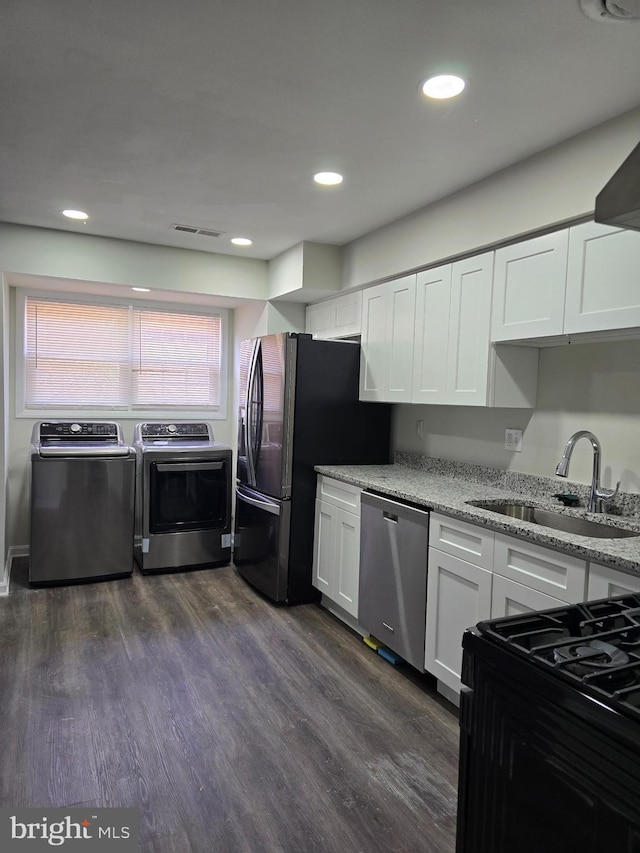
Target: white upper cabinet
column 603, row 279
column 373, row 354
column 431, row 335
column 339, row 317
column 529, row 287
column 386, row 361
column 317, row 321
column 469, row 325
column 401, row 295
column 425, row 339
column 583, row 279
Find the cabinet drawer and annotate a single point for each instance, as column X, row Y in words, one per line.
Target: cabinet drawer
column 337, row 493
column 467, row 541
column 606, row 582
column 510, row 598
column 555, row 574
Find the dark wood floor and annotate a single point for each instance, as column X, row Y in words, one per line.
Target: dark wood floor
column 230, row 723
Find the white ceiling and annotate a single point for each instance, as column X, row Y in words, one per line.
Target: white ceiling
column 216, row 114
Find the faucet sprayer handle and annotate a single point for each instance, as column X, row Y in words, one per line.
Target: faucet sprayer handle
column 605, row 494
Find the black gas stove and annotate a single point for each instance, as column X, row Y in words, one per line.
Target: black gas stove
column 595, row 646
column 550, row 731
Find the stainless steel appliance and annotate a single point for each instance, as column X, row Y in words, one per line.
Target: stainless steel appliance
column 82, row 502
column 550, row 731
column 394, row 543
column 183, row 498
column 299, row 407
column 618, row 202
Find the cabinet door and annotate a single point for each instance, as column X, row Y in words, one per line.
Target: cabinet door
column 528, row 288
column 509, row 598
column 373, row 353
column 347, row 562
column 469, row 328
column 346, row 315
column 603, row 289
column 458, row 596
column 605, row 582
column 324, row 547
column 431, row 335
column 317, row 320
column 401, row 302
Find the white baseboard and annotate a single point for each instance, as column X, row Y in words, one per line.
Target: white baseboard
column 14, row 551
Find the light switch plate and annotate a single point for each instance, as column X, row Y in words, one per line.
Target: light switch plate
column 513, row 440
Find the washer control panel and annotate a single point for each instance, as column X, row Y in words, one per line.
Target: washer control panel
column 78, row 430
column 194, row 431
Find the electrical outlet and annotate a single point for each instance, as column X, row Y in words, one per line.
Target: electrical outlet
column 513, row 440
column 420, row 429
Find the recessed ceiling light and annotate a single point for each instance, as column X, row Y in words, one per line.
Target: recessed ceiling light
column 142, row 289
column 328, row 179
column 443, row 86
column 241, row 241
column 75, row 214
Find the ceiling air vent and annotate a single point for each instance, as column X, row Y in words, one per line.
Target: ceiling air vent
column 193, row 229
column 611, row 11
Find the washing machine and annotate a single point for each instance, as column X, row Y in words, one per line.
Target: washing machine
column 82, row 502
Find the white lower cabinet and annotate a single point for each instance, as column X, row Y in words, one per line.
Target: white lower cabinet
column 605, row 582
column 476, row 574
column 336, row 544
column 458, row 596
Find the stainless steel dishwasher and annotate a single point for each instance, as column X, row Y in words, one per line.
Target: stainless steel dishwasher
column 394, row 541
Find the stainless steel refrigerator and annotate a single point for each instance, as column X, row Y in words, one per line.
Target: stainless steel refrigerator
column 299, row 407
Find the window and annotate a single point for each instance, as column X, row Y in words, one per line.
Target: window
column 108, row 355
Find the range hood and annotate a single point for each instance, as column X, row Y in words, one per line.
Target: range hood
column 618, row 202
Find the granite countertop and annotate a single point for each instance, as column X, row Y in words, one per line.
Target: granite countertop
column 448, row 486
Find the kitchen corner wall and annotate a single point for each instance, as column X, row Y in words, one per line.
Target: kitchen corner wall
column 588, row 386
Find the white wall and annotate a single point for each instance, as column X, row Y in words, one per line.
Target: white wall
column 41, row 251
column 555, row 186
column 589, row 386
column 306, row 272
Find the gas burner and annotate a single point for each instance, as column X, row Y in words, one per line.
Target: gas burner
column 596, row 659
column 593, row 655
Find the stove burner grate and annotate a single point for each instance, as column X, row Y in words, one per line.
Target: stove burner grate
column 595, row 645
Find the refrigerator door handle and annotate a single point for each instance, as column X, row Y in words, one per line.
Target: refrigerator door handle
column 266, row 505
column 251, row 462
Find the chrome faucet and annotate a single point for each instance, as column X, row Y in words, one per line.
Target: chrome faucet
column 596, row 494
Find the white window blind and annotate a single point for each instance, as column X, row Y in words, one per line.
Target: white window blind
column 112, row 356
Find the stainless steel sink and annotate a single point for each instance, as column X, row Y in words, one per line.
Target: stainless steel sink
column 556, row 520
